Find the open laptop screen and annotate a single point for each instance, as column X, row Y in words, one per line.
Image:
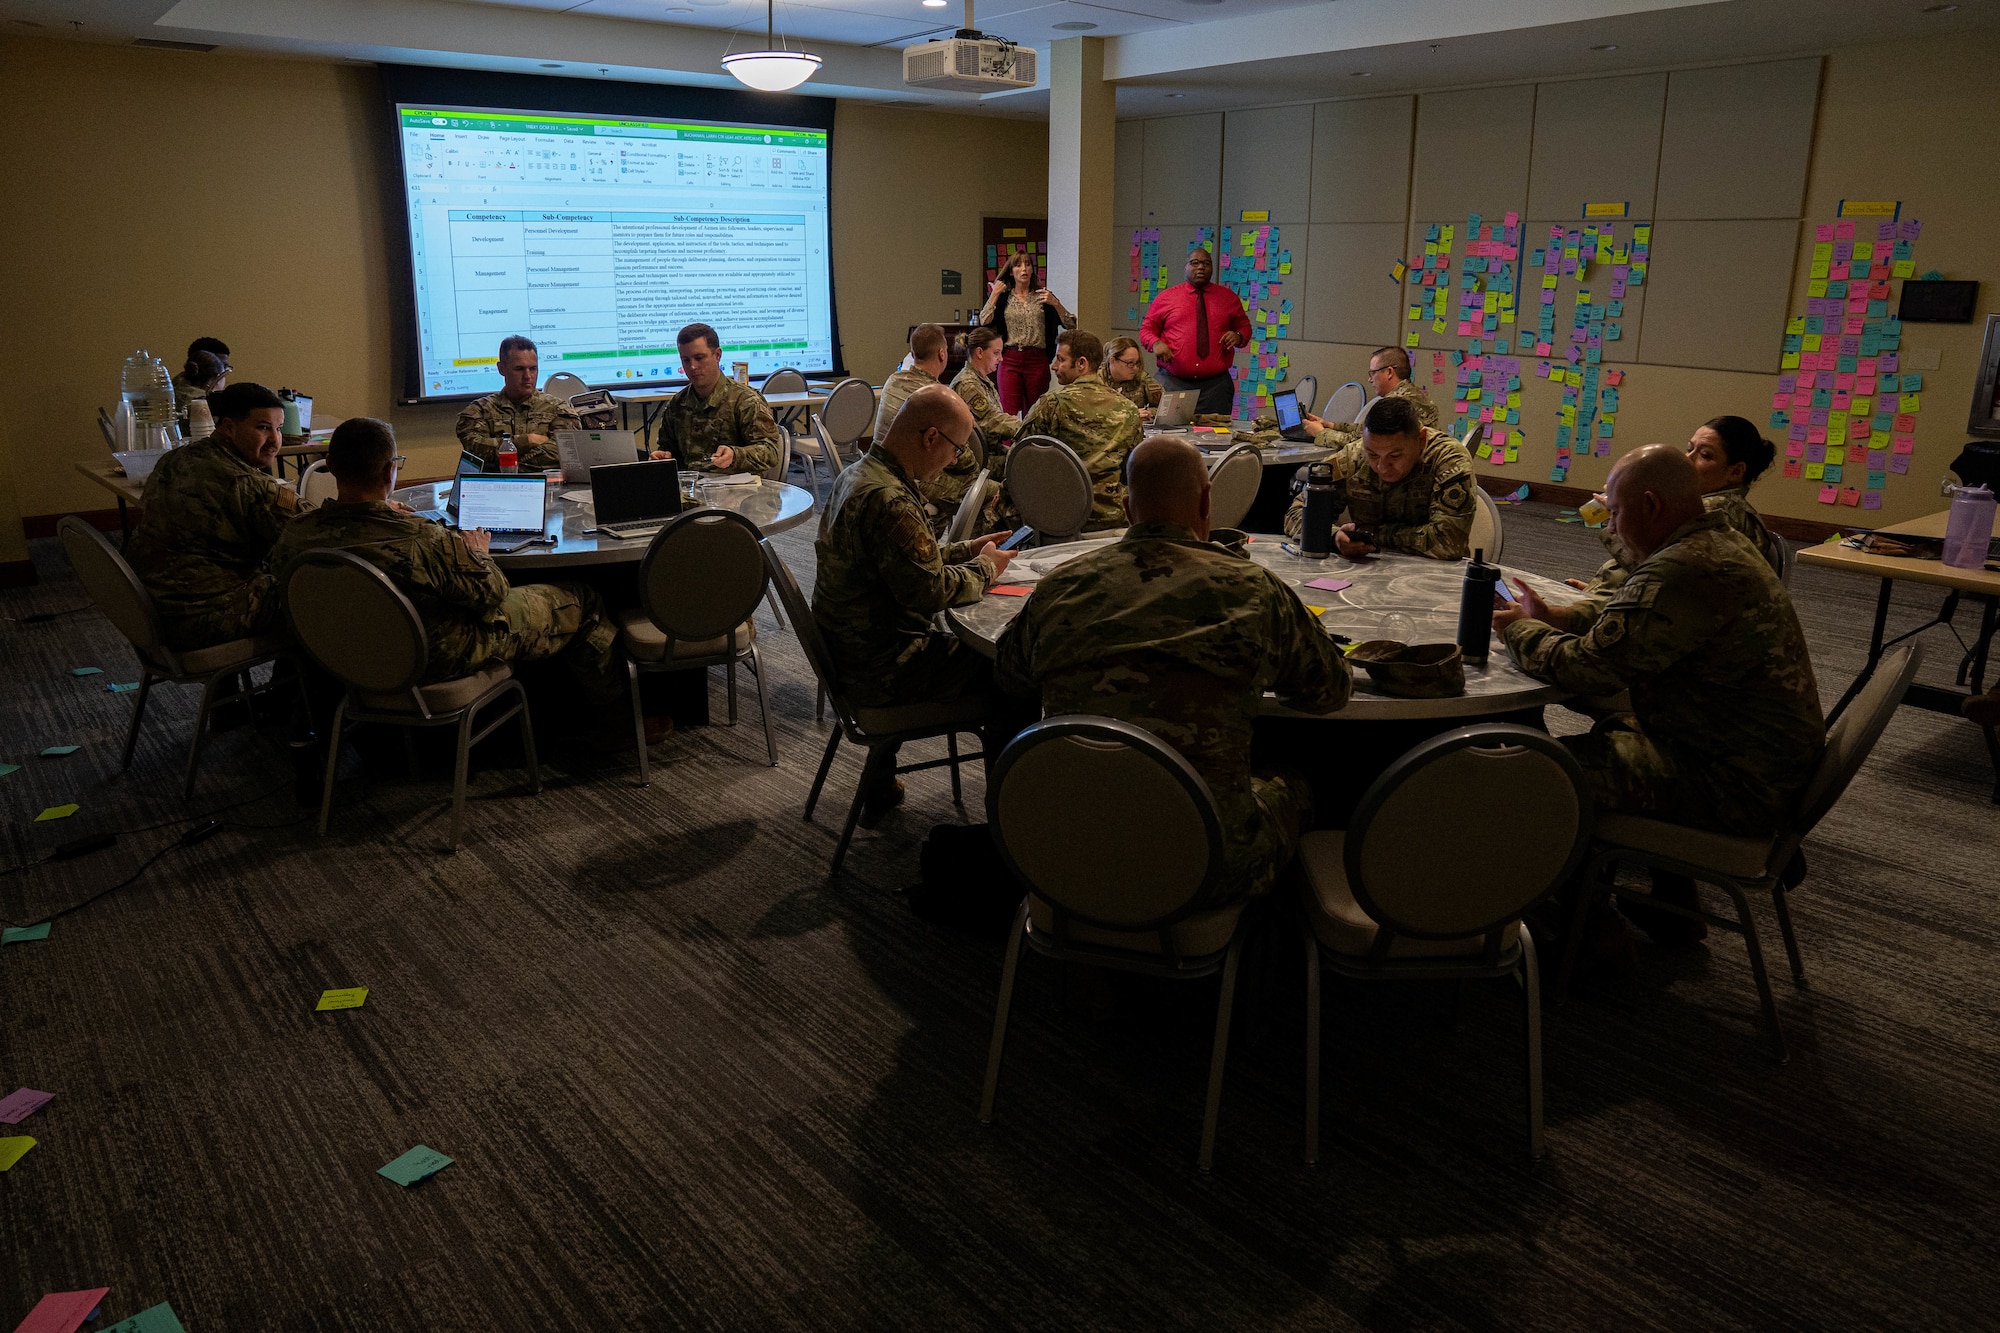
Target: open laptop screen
column 1285, row 403
column 501, row 503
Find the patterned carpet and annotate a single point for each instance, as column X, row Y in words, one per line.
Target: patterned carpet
column 688, row 1082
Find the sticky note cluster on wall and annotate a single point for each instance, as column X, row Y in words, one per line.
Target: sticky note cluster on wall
column 997, row 254
column 1847, row 410
column 1481, row 267
column 1251, row 263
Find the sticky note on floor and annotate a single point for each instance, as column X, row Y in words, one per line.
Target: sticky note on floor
column 57, row 812
column 58, row 751
column 62, row 1311
column 11, row 1151
column 23, row 934
column 1331, row 585
column 86, row 671
column 350, row 998
column 123, row 689
column 1010, row 590
column 21, row 1103
column 160, row 1319
column 5, row 769
column 419, row 1163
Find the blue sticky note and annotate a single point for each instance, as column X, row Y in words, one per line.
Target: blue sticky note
column 159, row 1319
column 25, row 934
column 58, row 751
column 419, row 1163
column 86, row 671
column 5, row 769
column 124, row 688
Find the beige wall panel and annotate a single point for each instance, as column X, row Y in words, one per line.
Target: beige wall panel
column 1181, row 182
column 1472, row 152
column 1126, row 193
column 1718, row 294
column 1361, row 159
column 1349, row 295
column 1262, row 153
column 1596, row 141
column 1738, row 140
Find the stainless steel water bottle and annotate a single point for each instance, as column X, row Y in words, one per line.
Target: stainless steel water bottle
column 1475, row 608
column 1316, row 530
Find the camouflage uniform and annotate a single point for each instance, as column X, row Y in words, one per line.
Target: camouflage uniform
column 1338, row 433
column 1725, row 729
column 1103, row 427
column 1183, row 637
column 896, row 390
column 1428, row 512
column 483, row 420
column 1142, row 390
column 984, row 400
column 881, row 577
column 210, row 519
column 472, row 618
column 735, row 416
column 1733, row 503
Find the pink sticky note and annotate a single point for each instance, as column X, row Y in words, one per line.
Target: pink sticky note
column 1792, row 469
column 62, row 1311
column 1851, row 496
column 1843, row 231
column 1010, row 590
column 1331, row 585
column 22, row 1103
column 1823, row 232
column 1829, row 494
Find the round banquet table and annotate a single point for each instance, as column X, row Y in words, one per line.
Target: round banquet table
column 773, row 506
column 1425, row 590
column 1282, row 459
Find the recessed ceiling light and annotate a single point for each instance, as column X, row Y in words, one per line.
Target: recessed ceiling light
column 1074, row 27
column 1608, row 46
column 1939, row 9
column 1176, row 94
column 1361, row 74
column 933, row 4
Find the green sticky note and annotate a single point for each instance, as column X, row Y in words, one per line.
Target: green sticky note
column 5, row 769
column 159, row 1319
column 57, row 812
column 12, row 1150
column 350, row 998
column 23, row 934
column 419, row 1163
column 58, row 751
column 86, row 671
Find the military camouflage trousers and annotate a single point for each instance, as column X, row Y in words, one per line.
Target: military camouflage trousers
column 1259, row 852
column 561, row 621
column 241, row 613
column 1632, row 773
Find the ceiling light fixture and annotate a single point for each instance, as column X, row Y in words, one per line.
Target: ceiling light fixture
column 934, row 4
column 1361, row 74
column 1074, row 27
column 1939, row 9
column 772, row 70
column 1176, row 94
column 1608, row 46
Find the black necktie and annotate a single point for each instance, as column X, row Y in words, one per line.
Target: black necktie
column 1200, row 321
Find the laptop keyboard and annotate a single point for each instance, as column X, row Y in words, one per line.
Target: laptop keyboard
column 638, row 527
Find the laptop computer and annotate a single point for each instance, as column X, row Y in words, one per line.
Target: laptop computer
column 1175, row 409
column 1291, row 419
column 583, row 450
column 503, row 502
column 469, row 465
column 635, row 499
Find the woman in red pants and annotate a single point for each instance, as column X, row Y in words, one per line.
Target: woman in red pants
column 1028, row 318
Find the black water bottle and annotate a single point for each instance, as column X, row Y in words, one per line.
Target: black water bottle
column 1316, row 529
column 1475, row 608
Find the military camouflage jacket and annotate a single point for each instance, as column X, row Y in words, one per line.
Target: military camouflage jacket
column 1732, row 502
column 1181, row 637
column 1428, row 512
column 1705, row 638
column 483, row 420
column 1338, row 433
column 210, row 519
column 896, row 390
column 734, row 416
column 459, row 592
column 1103, row 427
column 882, row 576
column 1142, row 390
column 984, row 400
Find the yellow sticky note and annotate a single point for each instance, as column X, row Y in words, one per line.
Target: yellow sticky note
column 1812, row 342
column 1410, row 339
column 1836, row 454
column 1788, row 361
column 1911, row 402
column 1903, row 268
column 1285, row 266
column 1814, row 471
column 1548, row 282
column 350, row 998
column 1316, row 610
column 12, row 1150
column 1796, row 324
column 1820, row 270
column 57, row 812
column 1817, row 287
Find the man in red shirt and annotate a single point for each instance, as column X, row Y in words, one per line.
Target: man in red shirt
column 1194, row 329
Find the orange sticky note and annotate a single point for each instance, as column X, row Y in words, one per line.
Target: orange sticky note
column 1010, row 590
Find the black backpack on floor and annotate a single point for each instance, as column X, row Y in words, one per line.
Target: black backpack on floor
column 965, row 884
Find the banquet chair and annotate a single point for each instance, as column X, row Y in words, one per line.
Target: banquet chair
column 1307, row 390
column 316, row 484
column 565, row 385
column 1234, row 480
column 1344, row 403
column 1049, row 487
column 848, row 413
column 967, row 517
column 1486, row 534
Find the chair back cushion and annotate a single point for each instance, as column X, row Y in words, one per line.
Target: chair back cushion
column 316, row 484
column 1308, row 391
column 564, row 385
column 1855, row 732
column 1233, row 485
column 1048, row 485
column 354, row 622
column 849, row 411
column 1467, row 831
column 968, row 511
column 1344, row 403
column 112, row 585
column 1106, row 822
column 703, row 575
column 786, row 380
column 1486, row 534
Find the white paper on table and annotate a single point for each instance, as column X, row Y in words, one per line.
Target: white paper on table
column 733, row 479
column 581, row 497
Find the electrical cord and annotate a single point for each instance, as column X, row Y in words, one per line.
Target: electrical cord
column 43, row 617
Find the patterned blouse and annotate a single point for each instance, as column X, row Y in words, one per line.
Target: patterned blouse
column 1024, row 321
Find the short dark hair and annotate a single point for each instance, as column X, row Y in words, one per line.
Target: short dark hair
column 926, row 341
column 1083, row 346
column 699, row 333
column 203, row 369
column 359, row 448
column 516, row 342
column 236, row 401
column 1399, row 360
column 1393, row 416
column 1743, row 443
column 213, row 346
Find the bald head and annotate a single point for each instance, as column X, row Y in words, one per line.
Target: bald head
column 930, row 428
column 1652, row 491
column 1168, row 483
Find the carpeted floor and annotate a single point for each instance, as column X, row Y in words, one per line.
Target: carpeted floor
column 688, row 1082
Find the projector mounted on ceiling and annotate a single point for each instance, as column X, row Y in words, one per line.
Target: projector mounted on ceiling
column 969, row 61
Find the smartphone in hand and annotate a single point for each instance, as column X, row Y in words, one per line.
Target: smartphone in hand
column 1021, row 534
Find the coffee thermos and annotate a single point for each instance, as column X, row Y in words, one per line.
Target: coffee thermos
column 1316, row 529
column 1475, row 608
